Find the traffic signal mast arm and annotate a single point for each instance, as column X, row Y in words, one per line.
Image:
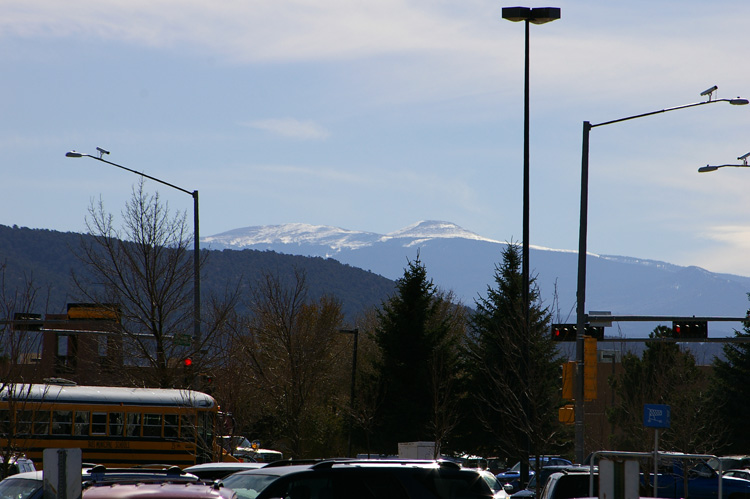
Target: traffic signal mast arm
column 594, row 319
column 684, row 327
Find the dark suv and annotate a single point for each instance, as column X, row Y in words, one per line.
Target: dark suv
column 364, row 479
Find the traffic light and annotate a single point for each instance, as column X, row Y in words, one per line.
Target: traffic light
column 23, row 321
column 594, row 332
column 187, row 372
column 563, row 332
column 205, row 383
column 690, row 329
column 567, row 414
column 567, row 332
column 568, row 377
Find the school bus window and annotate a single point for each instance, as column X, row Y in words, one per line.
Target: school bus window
column 62, row 422
column 134, row 425
column 81, row 426
column 170, row 426
column 152, row 425
column 98, row 423
column 41, row 423
column 206, row 425
column 187, row 427
column 23, row 422
column 116, row 424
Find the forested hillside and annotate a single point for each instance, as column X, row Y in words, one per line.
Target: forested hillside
column 48, row 258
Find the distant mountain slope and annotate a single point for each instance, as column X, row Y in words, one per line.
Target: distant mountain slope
column 48, row 257
column 464, row 262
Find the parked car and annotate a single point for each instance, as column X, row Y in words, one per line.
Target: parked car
column 16, row 465
column 26, row 485
column 512, row 475
column 570, row 484
column 498, row 489
column 372, row 479
column 539, row 480
column 702, row 480
column 217, row 471
column 729, row 462
column 744, row 474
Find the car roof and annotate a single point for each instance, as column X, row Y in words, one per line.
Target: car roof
column 222, row 466
column 285, row 467
column 275, row 470
column 186, row 490
column 28, row 475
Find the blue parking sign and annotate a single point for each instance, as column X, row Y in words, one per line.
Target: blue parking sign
column 656, row 416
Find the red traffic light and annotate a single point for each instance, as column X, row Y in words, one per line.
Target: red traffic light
column 187, row 362
column 690, row 329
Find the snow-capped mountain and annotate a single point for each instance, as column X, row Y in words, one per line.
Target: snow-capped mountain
column 464, row 262
column 333, row 237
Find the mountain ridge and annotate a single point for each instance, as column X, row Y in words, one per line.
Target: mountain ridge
column 464, row 262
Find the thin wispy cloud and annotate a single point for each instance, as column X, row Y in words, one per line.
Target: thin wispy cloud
column 291, row 128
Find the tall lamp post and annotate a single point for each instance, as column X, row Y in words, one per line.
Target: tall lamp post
column 581, row 318
column 540, row 15
column 355, row 333
column 196, row 236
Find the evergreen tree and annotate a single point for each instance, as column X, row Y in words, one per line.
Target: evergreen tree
column 508, row 364
column 730, row 392
column 412, row 335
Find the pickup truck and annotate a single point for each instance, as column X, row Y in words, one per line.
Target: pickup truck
column 700, row 482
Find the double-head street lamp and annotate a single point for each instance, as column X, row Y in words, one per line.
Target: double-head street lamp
column 581, row 318
column 711, row 168
column 196, row 236
column 539, row 15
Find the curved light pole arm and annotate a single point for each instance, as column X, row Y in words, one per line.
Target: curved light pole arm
column 735, row 102
column 581, row 318
column 196, row 241
column 75, row 154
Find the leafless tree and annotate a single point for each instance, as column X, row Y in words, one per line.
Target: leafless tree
column 20, row 349
column 294, row 363
column 145, row 270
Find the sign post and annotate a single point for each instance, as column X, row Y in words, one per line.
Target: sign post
column 656, row 416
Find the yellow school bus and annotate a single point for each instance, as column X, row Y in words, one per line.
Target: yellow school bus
column 113, row 426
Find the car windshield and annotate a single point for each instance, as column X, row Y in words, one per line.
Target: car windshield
column 545, row 461
column 248, row 486
column 18, row 488
column 493, row 482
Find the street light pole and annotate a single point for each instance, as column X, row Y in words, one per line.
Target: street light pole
column 581, row 318
column 196, row 237
column 355, row 333
column 540, row 15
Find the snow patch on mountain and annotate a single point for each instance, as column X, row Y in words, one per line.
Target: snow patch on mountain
column 335, row 238
column 292, row 233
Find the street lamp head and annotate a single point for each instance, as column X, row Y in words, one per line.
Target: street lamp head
column 73, row 154
column 544, row 15
column 539, row 15
column 707, row 168
column 738, row 102
column 516, row 14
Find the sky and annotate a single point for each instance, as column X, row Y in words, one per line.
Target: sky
column 371, row 115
